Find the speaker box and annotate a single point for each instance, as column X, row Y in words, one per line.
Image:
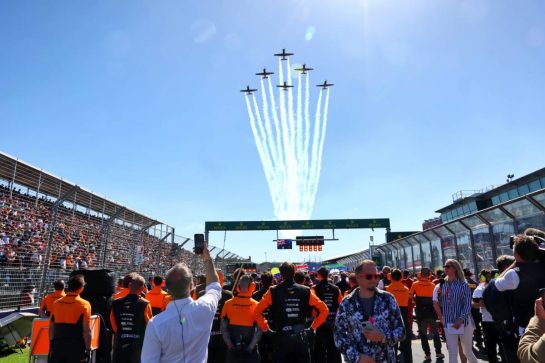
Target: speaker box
column 97, row 282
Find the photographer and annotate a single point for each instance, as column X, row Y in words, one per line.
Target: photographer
column 525, row 277
column 532, row 344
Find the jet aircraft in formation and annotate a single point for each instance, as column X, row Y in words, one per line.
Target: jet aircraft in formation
column 304, row 69
column 283, row 54
column 264, row 74
column 325, row 85
column 248, row 90
column 284, row 86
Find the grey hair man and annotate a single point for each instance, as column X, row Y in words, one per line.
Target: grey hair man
column 180, row 334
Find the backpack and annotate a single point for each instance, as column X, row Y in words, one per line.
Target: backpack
column 498, row 304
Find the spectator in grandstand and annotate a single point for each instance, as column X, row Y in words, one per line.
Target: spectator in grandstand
column 47, row 302
column 128, row 318
column 289, row 306
column 368, row 322
column 425, row 314
column 324, row 347
column 184, row 318
column 239, row 326
column 385, row 277
column 70, row 329
column 27, row 295
column 454, row 309
column 156, row 295
column 532, row 344
column 525, row 277
column 401, row 294
column 491, row 333
column 343, row 284
column 265, row 343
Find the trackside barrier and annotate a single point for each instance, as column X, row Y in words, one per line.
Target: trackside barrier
column 39, row 346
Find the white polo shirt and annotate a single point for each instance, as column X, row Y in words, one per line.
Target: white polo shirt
column 181, row 333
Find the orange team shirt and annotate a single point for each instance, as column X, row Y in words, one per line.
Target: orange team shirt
column 147, row 316
column 156, row 296
column 69, row 308
column 121, row 293
column 49, row 300
column 240, row 310
column 422, row 288
column 400, row 292
column 166, row 300
column 313, row 301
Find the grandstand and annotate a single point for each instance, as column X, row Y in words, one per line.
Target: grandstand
column 50, row 227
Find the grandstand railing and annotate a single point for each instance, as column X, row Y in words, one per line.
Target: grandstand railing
column 50, row 227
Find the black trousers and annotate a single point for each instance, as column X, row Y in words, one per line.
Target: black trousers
column 423, row 324
column 241, row 356
column 405, row 346
column 265, row 347
column 491, row 342
column 67, row 351
column 477, row 318
column 217, row 350
column 325, row 350
column 291, row 348
column 510, row 343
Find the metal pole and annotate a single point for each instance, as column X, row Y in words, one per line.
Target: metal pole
column 13, row 180
column 441, row 243
column 455, row 242
column 432, row 262
column 38, row 190
column 473, row 251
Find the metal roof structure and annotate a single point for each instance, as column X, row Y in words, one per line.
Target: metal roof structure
column 24, row 174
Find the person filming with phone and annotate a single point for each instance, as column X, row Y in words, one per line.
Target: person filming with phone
column 368, row 323
column 532, row 344
column 180, row 334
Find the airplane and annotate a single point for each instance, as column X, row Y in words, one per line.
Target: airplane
column 264, row 74
column 304, row 69
column 283, row 54
column 248, row 90
column 325, row 85
column 284, row 86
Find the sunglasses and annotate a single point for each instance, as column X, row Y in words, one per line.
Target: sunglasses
column 371, row 276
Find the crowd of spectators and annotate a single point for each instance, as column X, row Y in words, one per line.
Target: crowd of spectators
column 77, row 243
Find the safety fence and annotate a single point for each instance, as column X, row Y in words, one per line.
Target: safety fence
column 50, row 227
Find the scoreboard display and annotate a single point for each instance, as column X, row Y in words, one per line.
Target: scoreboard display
column 309, row 243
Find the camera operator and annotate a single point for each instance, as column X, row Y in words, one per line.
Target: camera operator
column 525, row 277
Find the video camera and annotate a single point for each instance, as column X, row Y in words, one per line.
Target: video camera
column 538, row 236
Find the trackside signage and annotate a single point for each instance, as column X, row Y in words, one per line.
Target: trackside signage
column 298, row 224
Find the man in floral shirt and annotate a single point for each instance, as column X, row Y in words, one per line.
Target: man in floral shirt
column 368, row 323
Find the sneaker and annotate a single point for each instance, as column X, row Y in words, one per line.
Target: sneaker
column 439, row 356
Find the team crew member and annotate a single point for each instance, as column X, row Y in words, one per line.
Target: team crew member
column 401, row 294
column 324, row 346
column 156, row 295
column 129, row 317
column 47, row 302
column 290, row 304
column 70, row 329
column 216, row 346
column 265, row 343
column 239, row 327
column 425, row 314
column 124, row 289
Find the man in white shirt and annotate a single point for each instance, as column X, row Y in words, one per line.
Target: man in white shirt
column 180, row 334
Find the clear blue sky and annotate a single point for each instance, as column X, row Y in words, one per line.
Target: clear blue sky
column 139, row 102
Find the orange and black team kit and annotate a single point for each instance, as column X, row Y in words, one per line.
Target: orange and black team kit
column 68, row 316
column 238, row 313
column 324, row 347
column 156, row 297
column 129, row 317
column 47, row 302
column 290, row 304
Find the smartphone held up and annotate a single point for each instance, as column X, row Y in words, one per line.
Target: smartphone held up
column 199, row 243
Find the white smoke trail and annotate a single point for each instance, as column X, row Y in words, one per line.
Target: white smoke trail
column 279, row 146
column 314, row 153
column 269, row 139
column 320, row 150
column 306, row 150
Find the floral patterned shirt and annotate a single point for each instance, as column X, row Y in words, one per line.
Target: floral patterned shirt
column 386, row 317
